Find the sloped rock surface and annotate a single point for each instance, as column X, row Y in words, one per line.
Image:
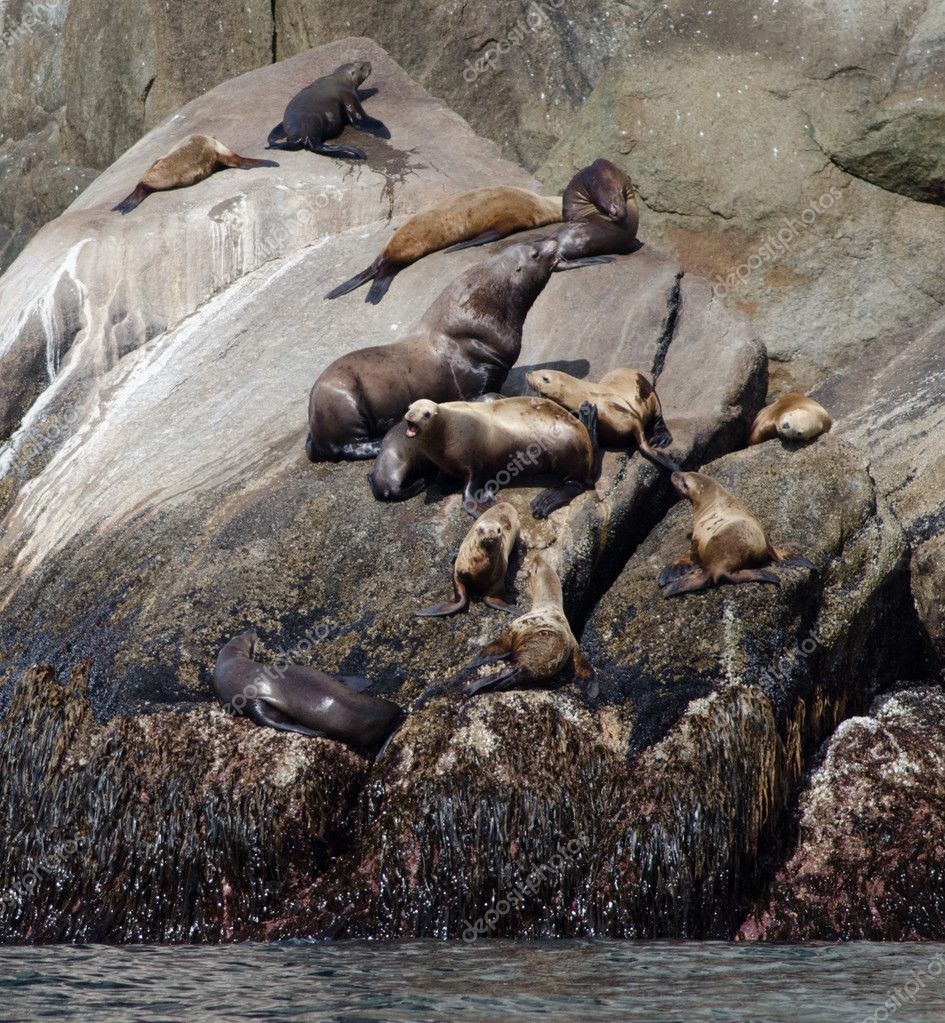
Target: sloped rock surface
column 868, row 862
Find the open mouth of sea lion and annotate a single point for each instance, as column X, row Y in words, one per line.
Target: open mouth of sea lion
column 412, row 430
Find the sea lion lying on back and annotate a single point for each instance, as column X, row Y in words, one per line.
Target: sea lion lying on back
column 468, row 218
column 729, row 545
column 299, row 699
column 463, row 347
column 480, row 443
column 482, row 563
column 539, row 647
column 628, row 409
column 600, row 212
column 793, row 417
column 322, row 110
column 196, row 158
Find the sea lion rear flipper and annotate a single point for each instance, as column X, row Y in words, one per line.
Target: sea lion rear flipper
column 363, row 277
column 134, row 200
column 787, row 560
column 692, row 582
column 680, row 567
column 480, row 239
column 355, row 683
column 248, row 163
column 574, row 264
column 751, row 575
column 379, row 288
column 265, row 714
column 324, row 149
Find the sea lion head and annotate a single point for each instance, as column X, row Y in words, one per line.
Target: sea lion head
column 420, row 416
column 549, row 383
column 800, row 424
column 489, row 533
column 600, row 188
column 396, row 469
column 692, row 485
column 356, row 73
column 532, row 260
column 245, row 643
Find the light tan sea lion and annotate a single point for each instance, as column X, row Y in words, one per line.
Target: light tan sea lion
column 539, row 647
column 729, row 545
column 628, row 409
column 483, row 562
column 793, row 417
column 462, row 220
column 488, row 445
column 196, row 158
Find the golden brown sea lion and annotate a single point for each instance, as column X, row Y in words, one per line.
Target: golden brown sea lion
column 793, row 417
column 729, row 545
column 196, row 158
column 322, row 110
column 293, row 698
column 468, row 218
column 463, row 347
column 482, row 562
column 628, row 409
column 539, row 647
column 488, row 445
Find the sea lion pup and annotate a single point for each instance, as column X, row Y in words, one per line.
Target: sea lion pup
column 628, row 408
column 482, row 563
column 729, row 545
column 468, row 218
column 600, row 212
column 322, row 110
column 299, row 699
column 516, row 436
column 196, row 158
column 539, row 647
column 793, row 417
column 464, row 346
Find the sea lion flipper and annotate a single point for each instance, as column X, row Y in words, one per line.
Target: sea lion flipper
column 680, row 567
column 787, row 560
column 494, row 683
column 751, row 575
column 276, row 135
column 576, row 264
column 554, row 498
column 500, row 604
column 658, row 458
column 459, row 603
column 480, row 239
column 324, row 149
column 265, row 714
column 368, row 274
column 355, row 683
column 134, row 200
column 692, row 582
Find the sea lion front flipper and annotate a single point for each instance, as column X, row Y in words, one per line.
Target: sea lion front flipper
column 265, row 714
column 785, row 559
column 480, row 239
column 575, row 264
column 556, row 497
column 657, row 457
column 355, row 683
column 660, row 437
column 500, row 604
column 276, row 135
column 690, row 583
column 133, row 201
column 496, row 683
column 360, row 119
column 459, row 603
column 324, row 149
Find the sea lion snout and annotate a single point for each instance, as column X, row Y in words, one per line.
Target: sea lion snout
column 419, row 415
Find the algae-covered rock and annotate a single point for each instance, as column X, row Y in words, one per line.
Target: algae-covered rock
column 868, row 862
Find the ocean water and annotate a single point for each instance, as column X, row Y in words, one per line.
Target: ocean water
column 487, row 982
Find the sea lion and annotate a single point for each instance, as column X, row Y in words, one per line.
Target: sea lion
column 729, row 545
column 539, row 647
column 299, row 699
column 196, row 158
column 482, row 562
column 628, row 408
column 516, row 436
column 322, row 110
column 793, row 417
column 468, row 218
column 600, row 212
column 464, row 346
column 401, row 471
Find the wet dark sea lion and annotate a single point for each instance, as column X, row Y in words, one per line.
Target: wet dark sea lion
column 600, row 212
column 537, row 648
column 463, row 347
column 196, row 158
column 468, row 218
column 793, row 417
column 628, row 408
column 322, row 110
column 729, row 545
column 482, row 563
column 480, row 443
column 299, row 699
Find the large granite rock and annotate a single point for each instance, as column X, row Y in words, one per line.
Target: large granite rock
column 868, row 862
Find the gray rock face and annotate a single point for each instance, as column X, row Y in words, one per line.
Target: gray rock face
column 868, row 860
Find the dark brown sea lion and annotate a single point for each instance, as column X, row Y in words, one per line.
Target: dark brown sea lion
column 468, row 218
column 299, row 699
column 196, row 158
column 600, row 212
column 628, row 408
column 482, row 443
column 464, row 346
column 322, row 110
column 729, row 545
column 793, row 417
column 539, row 647
column 482, row 562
